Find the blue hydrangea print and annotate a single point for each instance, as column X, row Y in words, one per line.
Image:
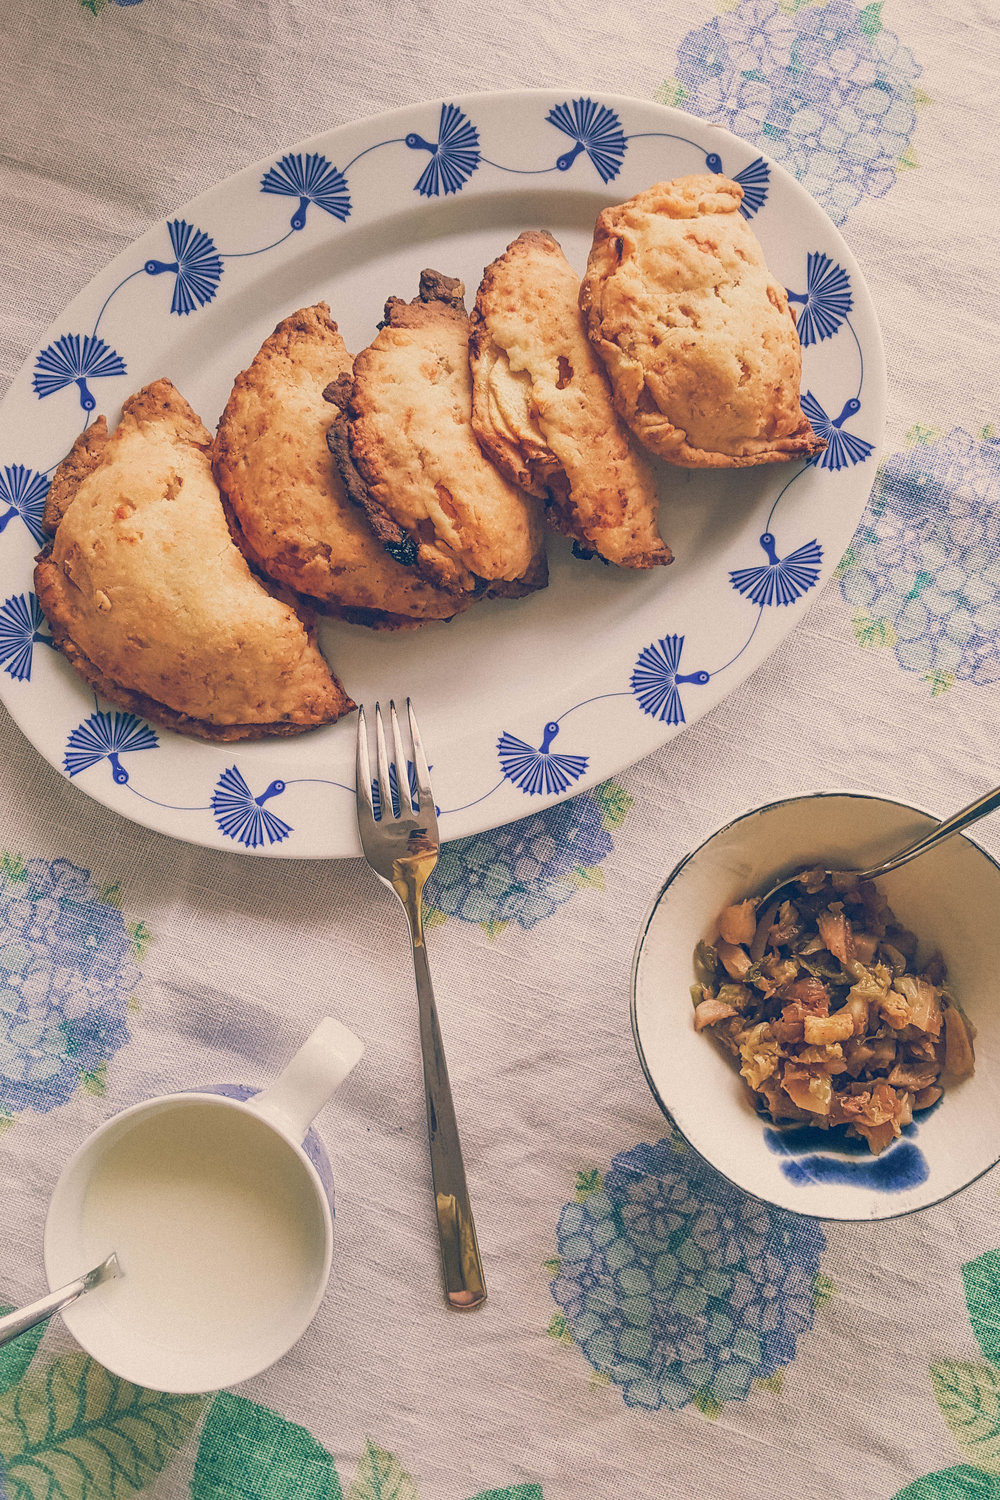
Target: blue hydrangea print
column 523, row 872
column 923, row 571
column 679, row 1288
column 827, row 91
column 67, row 974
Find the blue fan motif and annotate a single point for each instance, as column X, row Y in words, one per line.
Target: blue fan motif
column 242, row 816
column 23, row 492
column 75, row 360
column 655, row 678
column 842, row 448
column 454, row 155
column 825, row 302
column 754, row 180
column 781, row 580
column 538, row 771
column 21, row 622
column 197, row 267
column 411, row 778
column 106, row 736
column 596, row 130
column 311, row 179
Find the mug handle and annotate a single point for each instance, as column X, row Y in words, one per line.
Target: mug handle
column 317, row 1070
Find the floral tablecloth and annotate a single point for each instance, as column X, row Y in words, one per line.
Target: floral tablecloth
column 650, row 1332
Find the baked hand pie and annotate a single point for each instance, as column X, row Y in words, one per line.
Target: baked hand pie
column 287, row 504
column 696, row 335
column 407, row 453
column 543, row 413
column 150, row 598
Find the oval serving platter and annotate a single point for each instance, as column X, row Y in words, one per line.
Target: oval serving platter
column 524, row 702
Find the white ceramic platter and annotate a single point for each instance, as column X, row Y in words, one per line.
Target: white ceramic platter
column 521, row 703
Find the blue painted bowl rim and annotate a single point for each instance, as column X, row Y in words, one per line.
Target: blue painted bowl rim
column 803, row 1213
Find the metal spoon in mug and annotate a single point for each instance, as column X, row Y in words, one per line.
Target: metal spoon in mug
column 769, row 903
column 37, row 1312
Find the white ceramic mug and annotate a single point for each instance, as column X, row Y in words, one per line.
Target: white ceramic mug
column 219, row 1204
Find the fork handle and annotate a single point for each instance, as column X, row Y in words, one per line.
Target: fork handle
column 464, row 1284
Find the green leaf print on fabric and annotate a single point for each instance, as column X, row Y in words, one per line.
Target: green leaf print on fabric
column 15, row 1357
column 381, row 1476
column 969, row 1398
column 77, row 1432
column 960, row 1483
column 981, row 1279
column 248, row 1452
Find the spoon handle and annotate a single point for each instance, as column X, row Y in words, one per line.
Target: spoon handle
column 36, row 1312
column 981, row 808
column 18, row 1322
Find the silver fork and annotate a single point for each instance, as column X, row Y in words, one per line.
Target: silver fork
column 402, row 849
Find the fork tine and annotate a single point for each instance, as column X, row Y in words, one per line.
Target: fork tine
column 423, row 775
column 402, row 771
column 384, row 784
column 363, row 776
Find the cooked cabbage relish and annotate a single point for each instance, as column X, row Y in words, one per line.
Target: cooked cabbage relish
column 822, row 1004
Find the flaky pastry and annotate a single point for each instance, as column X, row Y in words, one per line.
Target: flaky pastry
column 695, row 333
column 151, row 600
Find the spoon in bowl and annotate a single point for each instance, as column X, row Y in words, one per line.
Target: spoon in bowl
column 768, row 904
column 36, row 1312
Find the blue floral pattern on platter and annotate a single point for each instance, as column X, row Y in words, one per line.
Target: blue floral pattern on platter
column 679, row 1288
column 825, row 302
column 593, row 128
column 581, row 145
column 242, row 816
column 22, row 628
column 842, row 447
column 196, row 267
column 655, row 678
column 23, row 492
column 753, row 179
column 73, row 360
column 67, row 978
column 923, row 571
column 454, row 155
column 107, row 736
column 781, row 580
column 826, row 90
column 310, row 179
column 411, row 782
column 538, row 770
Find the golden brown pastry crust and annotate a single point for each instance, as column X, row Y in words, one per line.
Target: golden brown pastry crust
column 407, row 451
column 696, row 335
column 542, row 410
column 81, row 460
column 152, row 602
column 286, row 501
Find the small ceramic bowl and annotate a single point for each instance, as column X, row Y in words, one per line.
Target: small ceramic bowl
column 950, row 898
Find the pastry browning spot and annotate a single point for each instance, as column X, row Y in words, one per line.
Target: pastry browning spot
column 436, row 287
column 82, row 459
column 410, row 437
column 338, row 438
